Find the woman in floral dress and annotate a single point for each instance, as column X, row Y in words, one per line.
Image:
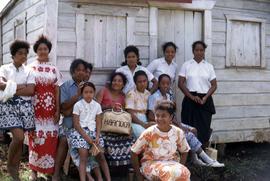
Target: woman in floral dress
column 159, row 144
column 43, row 141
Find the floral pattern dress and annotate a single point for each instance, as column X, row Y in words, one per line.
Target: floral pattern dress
column 137, row 101
column 159, row 154
column 43, row 141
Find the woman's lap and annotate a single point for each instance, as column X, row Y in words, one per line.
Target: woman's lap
column 165, row 170
column 117, row 149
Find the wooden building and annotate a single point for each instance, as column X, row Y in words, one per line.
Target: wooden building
column 237, row 33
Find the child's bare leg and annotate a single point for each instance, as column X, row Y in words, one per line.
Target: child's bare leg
column 89, row 177
column 61, row 154
column 97, row 174
column 14, row 152
column 104, row 166
column 83, row 161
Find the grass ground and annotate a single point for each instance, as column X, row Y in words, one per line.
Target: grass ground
column 244, row 162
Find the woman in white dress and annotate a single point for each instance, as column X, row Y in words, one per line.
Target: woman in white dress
column 131, row 65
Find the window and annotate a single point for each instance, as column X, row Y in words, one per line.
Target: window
column 19, row 29
column 245, row 42
column 105, row 40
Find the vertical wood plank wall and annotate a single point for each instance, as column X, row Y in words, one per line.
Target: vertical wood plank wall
column 243, row 96
column 31, row 14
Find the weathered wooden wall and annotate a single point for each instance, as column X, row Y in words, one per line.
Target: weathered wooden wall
column 24, row 21
column 243, row 96
column 89, row 31
column 98, row 30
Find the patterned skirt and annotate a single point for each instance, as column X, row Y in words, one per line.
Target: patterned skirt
column 76, row 141
column 117, row 149
column 17, row 113
column 165, row 171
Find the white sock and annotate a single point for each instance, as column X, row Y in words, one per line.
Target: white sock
column 205, row 157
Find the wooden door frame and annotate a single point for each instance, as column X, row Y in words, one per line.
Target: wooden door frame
column 204, row 6
column 51, row 26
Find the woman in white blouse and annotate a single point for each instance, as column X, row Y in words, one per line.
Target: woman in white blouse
column 166, row 64
column 17, row 111
column 197, row 80
column 131, row 65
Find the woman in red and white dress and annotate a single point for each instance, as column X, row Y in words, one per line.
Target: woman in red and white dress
column 43, row 141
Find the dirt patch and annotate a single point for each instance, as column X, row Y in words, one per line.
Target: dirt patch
column 244, row 161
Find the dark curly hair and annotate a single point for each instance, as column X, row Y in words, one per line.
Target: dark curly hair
column 114, row 74
column 168, row 44
column 166, row 105
column 162, row 76
column 76, row 63
column 88, row 84
column 194, row 44
column 18, row 44
column 139, row 73
column 133, row 49
column 42, row 39
column 89, row 66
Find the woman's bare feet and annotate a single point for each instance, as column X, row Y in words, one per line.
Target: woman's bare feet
column 33, row 176
column 13, row 172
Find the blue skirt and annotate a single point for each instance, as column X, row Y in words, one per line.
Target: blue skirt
column 17, row 113
column 76, row 141
column 117, row 149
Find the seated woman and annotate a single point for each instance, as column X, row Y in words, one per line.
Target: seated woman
column 136, row 103
column 117, row 146
column 162, row 93
column 159, row 144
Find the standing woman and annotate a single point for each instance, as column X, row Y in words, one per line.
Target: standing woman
column 166, row 64
column 197, row 80
column 43, row 141
column 17, row 113
column 131, row 65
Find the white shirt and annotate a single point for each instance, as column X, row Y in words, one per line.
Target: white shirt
column 21, row 75
column 198, row 75
column 87, row 112
column 160, row 66
column 130, row 85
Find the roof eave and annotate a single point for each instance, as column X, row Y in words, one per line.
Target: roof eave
column 6, row 9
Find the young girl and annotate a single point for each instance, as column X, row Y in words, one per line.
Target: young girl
column 136, row 103
column 131, row 65
column 199, row 157
column 17, row 113
column 87, row 124
column 159, row 144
